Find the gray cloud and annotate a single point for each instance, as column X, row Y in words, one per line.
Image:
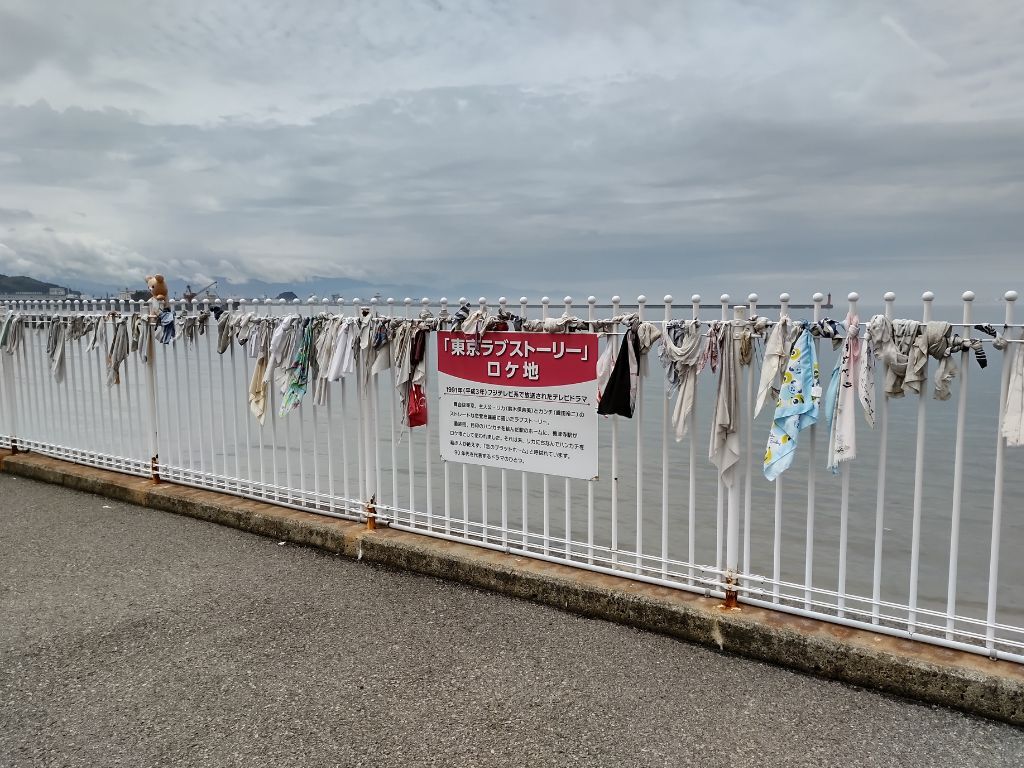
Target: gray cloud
column 484, row 146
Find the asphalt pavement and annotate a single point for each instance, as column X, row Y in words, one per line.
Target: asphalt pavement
column 135, row 637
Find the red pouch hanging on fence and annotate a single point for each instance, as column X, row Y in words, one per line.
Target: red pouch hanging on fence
column 417, row 406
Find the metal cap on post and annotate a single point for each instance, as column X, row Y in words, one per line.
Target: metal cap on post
column 890, row 299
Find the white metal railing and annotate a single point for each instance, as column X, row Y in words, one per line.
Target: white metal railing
column 906, row 540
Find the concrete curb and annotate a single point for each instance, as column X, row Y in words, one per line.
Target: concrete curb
column 903, row 667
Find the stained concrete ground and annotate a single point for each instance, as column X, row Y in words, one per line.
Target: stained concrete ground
column 130, row 636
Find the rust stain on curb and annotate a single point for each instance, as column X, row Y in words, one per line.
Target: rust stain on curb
column 907, row 668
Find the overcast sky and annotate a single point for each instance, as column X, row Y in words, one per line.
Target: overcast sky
column 517, row 147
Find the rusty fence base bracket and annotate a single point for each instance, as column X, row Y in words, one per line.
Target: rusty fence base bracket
column 14, row 446
column 371, row 514
column 730, row 599
column 154, row 468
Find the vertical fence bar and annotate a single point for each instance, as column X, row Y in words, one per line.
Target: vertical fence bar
column 151, row 401
column 638, row 416
column 482, row 301
column 958, row 468
column 915, row 535
column 444, row 464
column 392, row 395
column 844, row 498
column 404, row 417
column 503, row 310
column 812, row 475
column 346, row 487
column 691, row 497
column 522, row 475
column 664, row 456
column 615, row 451
column 997, row 498
column 465, row 470
column 591, row 301
column 545, row 480
column 568, row 484
column 883, row 450
column 777, row 531
column 748, row 412
column 427, row 458
column 732, row 529
column 209, row 386
column 720, row 501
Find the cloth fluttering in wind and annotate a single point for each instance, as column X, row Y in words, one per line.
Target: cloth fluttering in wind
column 680, row 354
column 1013, row 415
column 797, row 407
column 298, row 370
column 55, row 347
column 617, row 388
column 849, row 383
column 776, row 355
column 724, row 450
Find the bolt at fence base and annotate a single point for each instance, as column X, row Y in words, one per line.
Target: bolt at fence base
column 371, row 515
column 730, row 600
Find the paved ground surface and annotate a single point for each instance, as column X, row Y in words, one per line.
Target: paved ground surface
column 134, row 637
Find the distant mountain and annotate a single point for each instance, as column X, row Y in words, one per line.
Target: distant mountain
column 24, row 284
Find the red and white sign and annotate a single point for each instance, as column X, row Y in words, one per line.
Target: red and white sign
column 524, row 401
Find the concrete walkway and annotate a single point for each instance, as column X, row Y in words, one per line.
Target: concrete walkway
column 134, row 637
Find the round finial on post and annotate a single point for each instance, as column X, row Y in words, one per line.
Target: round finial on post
column 784, row 298
column 967, row 296
column 482, row 301
column 502, row 301
column 374, row 301
column 724, row 298
column 407, row 301
column 668, row 298
column 568, row 300
column 356, row 301
column 242, row 302
column 425, row 302
column 616, row 299
column 889, row 296
column 1010, row 295
column 695, row 298
column 818, row 298
column 463, row 300
column 641, row 299
column 853, row 296
column 523, row 300
column 927, row 296
column 545, row 300
column 752, row 298
column 591, row 299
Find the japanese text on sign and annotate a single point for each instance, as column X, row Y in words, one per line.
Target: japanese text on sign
column 520, row 401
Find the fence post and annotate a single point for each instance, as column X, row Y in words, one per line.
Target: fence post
column 8, row 373
column 732, row 522
column 997, row 499
column 154, row 451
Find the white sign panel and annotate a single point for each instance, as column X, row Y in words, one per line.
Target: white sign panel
column 524, row 401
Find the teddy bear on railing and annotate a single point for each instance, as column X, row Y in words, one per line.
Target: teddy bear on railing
column 158, row 291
